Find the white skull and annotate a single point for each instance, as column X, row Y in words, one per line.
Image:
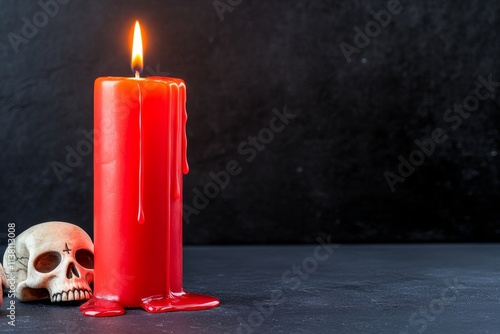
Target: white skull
column 53, row 260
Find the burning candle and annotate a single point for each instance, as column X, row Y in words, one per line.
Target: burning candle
column 139, row 159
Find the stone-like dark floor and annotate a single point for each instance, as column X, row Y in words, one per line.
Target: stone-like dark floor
column 303, row 289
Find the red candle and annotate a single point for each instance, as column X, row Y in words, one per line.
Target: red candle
column 139, row 159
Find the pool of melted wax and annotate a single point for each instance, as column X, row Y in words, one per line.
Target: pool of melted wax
column 185, row 301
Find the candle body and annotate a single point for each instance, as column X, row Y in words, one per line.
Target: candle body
column 139, row 160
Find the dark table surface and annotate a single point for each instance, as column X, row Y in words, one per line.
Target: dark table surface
column 304, row 289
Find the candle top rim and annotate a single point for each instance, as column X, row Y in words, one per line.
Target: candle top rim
column 151, row 78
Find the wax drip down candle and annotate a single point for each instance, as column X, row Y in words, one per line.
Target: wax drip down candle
column 139, row 160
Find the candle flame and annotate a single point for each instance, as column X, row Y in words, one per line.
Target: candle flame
column 136, row 62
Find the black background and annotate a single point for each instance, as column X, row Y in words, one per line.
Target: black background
column 324, row 173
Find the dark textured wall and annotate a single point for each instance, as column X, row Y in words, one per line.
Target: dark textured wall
column 349, row 121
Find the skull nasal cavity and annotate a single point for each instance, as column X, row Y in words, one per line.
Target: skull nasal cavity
column 72, row 271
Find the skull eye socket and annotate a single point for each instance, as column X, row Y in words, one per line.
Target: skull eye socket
column 85, row 258
column 47, row 262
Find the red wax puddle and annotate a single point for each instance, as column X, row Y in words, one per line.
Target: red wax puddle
column 97, row 307
column 139, row 160
column 179, row 302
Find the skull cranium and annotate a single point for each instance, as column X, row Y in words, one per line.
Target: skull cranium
column 52, row 260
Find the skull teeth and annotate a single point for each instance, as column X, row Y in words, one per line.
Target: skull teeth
column 73, row 294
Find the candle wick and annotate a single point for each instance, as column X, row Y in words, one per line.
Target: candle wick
column 137, row 74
